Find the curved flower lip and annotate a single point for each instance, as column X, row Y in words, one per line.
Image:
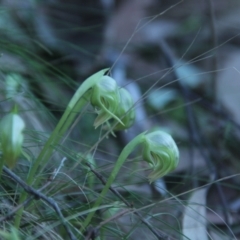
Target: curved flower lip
column 105, row 96
column 161, row 152
column 125, row 111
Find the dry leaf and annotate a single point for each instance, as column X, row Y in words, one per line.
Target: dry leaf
column 194, row 219
column 218, row 236
column 228, row 84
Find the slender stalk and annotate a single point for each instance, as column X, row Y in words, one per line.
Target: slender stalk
column 121, row 159
column 116, row 193
column 73, row 108
column 40, row 195
column 211, row 91
column 1, row 165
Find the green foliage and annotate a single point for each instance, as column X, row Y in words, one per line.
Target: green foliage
column 63, row 141
column 114, row 106
column 12, row 235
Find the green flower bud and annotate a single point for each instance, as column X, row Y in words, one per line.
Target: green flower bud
column 126, row 111
column 105, row 96
column 161, row 152
column 11, row 128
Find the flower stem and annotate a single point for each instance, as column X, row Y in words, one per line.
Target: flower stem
column 121, row 159
column 75, row 105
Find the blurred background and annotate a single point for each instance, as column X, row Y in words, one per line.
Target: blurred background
column 181, row 62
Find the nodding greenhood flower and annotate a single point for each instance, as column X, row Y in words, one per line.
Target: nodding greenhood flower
column 11, row 135
column 105, row 96
column 125, row 111
column 161, row 152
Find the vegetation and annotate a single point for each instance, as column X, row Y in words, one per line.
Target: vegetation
column 106, row 135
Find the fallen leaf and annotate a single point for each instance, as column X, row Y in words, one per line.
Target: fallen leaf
column 228, row 84
column 218, row 236
column 158, row 99
column 194, row 219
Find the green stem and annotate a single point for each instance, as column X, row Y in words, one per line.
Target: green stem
column 121, row 159
column 73, row 108
column 1, row 165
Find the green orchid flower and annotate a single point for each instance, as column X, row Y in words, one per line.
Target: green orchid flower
column 105, row 96
column 125, row 111
column 161, row 152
